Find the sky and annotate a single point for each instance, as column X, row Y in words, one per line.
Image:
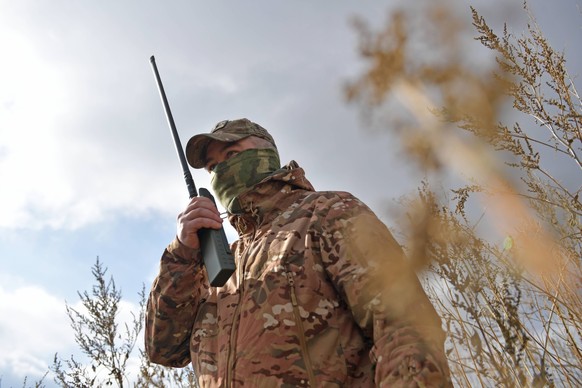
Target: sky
column 87, row 163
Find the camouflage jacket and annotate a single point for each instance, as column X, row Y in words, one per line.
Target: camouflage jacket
column 322, row 297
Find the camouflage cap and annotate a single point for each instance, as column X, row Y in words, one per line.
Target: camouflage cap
column 225, row 131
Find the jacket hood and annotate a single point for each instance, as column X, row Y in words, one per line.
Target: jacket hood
column 267, row 197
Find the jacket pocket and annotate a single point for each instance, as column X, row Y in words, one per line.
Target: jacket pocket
column 204, row 340
column 300, row 328
column 320, row 322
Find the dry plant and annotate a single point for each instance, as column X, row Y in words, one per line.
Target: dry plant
column 512, row 309
column 106, row 349
column 157, row 376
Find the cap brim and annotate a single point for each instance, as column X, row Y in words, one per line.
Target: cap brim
column 197, row 145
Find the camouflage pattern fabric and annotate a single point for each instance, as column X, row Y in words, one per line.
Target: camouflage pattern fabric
column 322, row 297
column 240, row 173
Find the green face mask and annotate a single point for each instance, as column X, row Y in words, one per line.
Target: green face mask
column 239, row 174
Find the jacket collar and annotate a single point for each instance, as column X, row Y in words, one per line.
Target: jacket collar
column 269, row 197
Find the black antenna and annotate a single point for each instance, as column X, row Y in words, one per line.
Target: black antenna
column 218, row 258
column 185, row 169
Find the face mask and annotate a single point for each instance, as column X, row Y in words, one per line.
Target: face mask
column 239, row 174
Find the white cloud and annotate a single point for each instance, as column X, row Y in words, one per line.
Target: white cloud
column 33, row 327
column 31, row 100
column 62, row 163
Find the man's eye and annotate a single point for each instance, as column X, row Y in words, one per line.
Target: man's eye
column 211, row 167
column 230, row 154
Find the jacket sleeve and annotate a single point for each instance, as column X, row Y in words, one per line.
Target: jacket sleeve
column 371, row 273
column 172, row 305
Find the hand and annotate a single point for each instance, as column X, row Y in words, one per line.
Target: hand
column 200, row 213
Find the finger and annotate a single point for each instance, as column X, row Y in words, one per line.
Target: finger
column 199, row 212
column 194, row 225
column 201, row 202
column 187, row 232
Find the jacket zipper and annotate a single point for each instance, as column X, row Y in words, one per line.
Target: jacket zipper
column 299, row 323
column 234, row 330
column 232, row 347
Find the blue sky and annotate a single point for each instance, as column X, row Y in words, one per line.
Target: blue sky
column 87, row 164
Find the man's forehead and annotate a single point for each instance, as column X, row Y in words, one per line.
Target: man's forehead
column 217, row 145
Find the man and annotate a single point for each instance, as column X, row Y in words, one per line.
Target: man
column 322, row 295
